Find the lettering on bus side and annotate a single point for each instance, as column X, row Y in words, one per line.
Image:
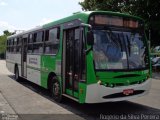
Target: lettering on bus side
column 74, row 23
column 33, row 61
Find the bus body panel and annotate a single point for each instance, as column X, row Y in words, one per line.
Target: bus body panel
column 34, row 69
column 96, row 92
column 12, row 60
column 82, row 92
column 47, row 66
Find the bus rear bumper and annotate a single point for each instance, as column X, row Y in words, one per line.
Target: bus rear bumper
column 96, row 93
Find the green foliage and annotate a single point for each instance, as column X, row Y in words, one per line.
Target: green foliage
column 7, row 33
column 107, row 5
column 3, row 39
column 2, row 43
column 147, row 9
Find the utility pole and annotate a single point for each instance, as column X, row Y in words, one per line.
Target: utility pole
column 149, row 42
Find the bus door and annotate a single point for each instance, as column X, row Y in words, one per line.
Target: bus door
column 72, row 61
column 24, row 56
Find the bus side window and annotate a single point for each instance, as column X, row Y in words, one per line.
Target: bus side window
column 34, row 37
column 51, row 41
column 30, row 44
column 18, row 49
column 11, row 42
column 11, row 45
column 30, row 47
column 15, row 41
column 38, row 42
column 15, row 45
column 38, row 48
column 47, row 35
column 39, row 37
column 30, row 40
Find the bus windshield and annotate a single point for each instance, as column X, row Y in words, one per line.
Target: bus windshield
column 119, row 50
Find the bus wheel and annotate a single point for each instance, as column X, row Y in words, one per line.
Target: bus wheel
column 56, row 90
column 17, row 78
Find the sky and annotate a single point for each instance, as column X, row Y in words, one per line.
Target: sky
column 27, row 14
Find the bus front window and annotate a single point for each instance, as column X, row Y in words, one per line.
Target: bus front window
column 120, row 50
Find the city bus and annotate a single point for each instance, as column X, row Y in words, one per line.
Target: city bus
column 89, row 57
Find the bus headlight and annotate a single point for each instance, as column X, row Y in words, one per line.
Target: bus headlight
column 99, row 82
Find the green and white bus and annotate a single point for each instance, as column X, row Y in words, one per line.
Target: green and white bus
column 90, row 57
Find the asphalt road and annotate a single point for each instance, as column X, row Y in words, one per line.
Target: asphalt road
column 28, row 101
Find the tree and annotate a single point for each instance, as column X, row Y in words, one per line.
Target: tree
column 147, row 9
column 7, row 33
column 3, row 39
column 107, row 5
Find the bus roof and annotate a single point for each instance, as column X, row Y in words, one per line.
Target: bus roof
column 83, row 16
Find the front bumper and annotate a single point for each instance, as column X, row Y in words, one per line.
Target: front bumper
column 95, row 93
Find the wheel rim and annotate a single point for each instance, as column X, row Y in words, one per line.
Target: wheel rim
column 56, row 89
column 16, row 75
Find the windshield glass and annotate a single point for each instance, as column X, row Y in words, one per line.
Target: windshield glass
column 119, row 50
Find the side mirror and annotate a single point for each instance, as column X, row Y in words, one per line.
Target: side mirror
column 90, row 38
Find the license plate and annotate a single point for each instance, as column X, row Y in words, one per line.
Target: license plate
column 128, row 91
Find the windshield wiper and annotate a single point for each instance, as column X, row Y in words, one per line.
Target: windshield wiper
column 88, row 50
column 129, row 46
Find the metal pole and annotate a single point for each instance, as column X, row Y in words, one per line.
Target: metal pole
column 149, row 42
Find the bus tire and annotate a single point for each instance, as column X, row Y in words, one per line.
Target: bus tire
column 16, row 72
column 56, row 93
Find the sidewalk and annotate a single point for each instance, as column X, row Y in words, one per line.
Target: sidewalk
column 156, row 75
column 4, row 106
column 6, row 111
column 18, row 102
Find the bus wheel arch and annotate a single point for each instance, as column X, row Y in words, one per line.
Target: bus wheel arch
column 16, row 72
column 52, row 74
column 54, row 87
